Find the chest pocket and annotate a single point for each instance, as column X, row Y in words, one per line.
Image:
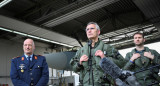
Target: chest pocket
column 38, row 69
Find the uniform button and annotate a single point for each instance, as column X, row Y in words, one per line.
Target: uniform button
column 30, row 73
column 31, row 78
column 32, row 84
column 30, row 69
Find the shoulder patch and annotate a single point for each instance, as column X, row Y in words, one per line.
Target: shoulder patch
column 15, row 57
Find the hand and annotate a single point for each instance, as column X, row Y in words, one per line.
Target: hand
column 99, row 53
column 149, row 55
column 83, row 58
column 135, row 56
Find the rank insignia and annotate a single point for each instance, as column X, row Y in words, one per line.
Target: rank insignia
column 35, row 57
column 22, row 58
column 22, row 66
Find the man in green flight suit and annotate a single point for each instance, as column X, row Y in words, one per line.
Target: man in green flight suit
column 140, row 58
column 98, row 50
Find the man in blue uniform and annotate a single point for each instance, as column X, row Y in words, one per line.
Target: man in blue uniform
column 29, row 69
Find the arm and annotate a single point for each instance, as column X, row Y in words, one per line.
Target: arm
column 75, row 62
column 112, row 54
column 116, row 57
column 156, row 58
column 45, row 75
column 15, row 76
column 129, row 64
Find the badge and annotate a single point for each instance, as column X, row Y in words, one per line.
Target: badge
column 22, row 70
column 22, row 66
column 143, row 61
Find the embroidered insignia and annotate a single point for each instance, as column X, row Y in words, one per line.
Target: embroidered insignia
column 35, row 57
column 22, row 58
column 21, row 66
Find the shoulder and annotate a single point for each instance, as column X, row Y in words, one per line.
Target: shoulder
column 16, row 58
column 151, row 50
column 128, row 53
column 108, row 46
column 39, row 56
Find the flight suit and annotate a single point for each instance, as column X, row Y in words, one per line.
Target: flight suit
column 146, row 77
column 34, row 74
column 98, row 73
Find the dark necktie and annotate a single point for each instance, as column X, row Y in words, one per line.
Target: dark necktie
column 29, row 61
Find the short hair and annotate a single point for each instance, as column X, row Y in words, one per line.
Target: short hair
column 97, row 26
column 139, row 34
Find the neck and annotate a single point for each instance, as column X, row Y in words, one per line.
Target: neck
column 139, row 48
column 28, row 54
column 94, row 41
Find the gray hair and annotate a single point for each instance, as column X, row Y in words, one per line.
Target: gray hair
column 97, row 26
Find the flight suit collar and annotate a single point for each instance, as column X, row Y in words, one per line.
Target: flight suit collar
column 96, row 43
column 146, row 49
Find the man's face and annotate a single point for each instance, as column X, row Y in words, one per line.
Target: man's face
column 138, row 40
column 92, row 32
column 28, row 46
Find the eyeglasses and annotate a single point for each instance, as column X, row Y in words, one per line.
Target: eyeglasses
column 89, row 28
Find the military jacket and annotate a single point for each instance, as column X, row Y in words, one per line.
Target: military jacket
column 146, row 77
column 109, row 51
column 34, row 74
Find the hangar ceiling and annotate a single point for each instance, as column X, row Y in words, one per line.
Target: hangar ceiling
column 64, row 21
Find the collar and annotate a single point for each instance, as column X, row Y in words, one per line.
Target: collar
column 146, row 49
column 139, row 51
column 96, row 43
column 28, row 56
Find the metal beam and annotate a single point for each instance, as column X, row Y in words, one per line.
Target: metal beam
column 79, row 12
column 26, row 28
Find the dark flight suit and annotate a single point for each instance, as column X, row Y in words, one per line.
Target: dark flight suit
column 109, row 51
column 146, row 77
column 34, row 74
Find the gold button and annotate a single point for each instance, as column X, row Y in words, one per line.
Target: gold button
column 30, row 73
column 31, row 78
column 30, row 69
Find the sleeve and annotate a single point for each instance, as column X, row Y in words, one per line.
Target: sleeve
column 14, row 75
column 129, row 65
column 156, row 59
column 76, row 67
column 45, row 75
column 116, row 57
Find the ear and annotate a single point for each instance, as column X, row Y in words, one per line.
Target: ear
column 34, row 47
column 99, row 32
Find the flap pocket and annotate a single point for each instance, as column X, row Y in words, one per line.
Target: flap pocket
column 38, row 66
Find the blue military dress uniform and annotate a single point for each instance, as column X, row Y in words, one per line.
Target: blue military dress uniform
column 29, row 73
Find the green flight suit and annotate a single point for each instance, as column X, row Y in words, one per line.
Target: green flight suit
column 146, row 77
column 109, row 51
